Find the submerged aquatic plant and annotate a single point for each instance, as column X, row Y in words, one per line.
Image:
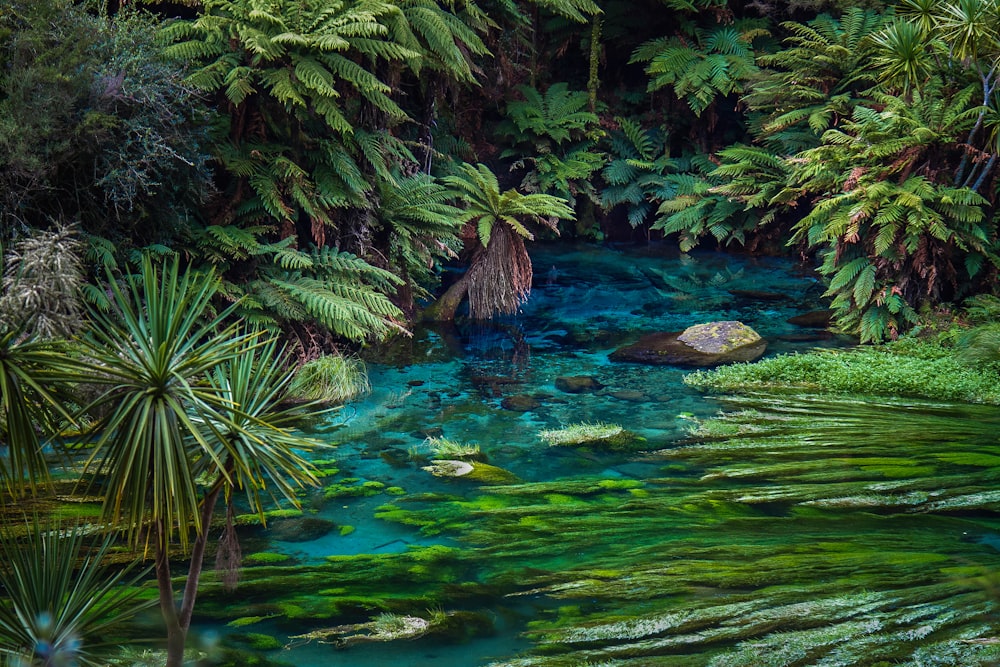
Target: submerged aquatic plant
column 789, row 530
column 611, row 436
column 445, row 448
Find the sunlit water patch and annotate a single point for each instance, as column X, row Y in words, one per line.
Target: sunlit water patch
column 793, row 531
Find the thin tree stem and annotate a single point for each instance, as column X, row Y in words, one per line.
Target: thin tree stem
column 176, row 635
column 198, row 556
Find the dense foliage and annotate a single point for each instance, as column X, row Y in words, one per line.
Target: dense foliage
column 308, row 166
column 275, row 141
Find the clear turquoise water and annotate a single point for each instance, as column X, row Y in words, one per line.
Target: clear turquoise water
column 586, row 302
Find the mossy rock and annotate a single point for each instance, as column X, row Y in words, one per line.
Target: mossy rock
column 301, row 529
column 701, row 345
column 471, row 470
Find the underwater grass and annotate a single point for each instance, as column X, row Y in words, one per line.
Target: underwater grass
column 611, row 436
column 789, row 530
column 446, row 448
column 907, row 368
column 746, row 566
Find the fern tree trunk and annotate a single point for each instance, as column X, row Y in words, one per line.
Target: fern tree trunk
column 593, row 80
column 443, row 310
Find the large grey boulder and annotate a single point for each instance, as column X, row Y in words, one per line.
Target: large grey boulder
column 709, row 344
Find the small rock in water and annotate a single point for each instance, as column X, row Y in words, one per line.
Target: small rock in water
column 520, row 403
column 708, row 344
column 629, row 395
column 299, row 529
column 815, row 318
column 578, row 384
column 396, row 458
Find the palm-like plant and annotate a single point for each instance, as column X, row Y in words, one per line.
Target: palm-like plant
column 61, row 598
column 962, row 41
column 34, row 375
column 499, row 277
column 904, row 59
column 255, row 442
column 39, row 302
column 172, row 412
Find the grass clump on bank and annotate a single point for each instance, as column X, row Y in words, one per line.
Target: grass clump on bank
column 333, row 379
column 906, row 368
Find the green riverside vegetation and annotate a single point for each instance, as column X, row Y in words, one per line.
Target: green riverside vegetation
column 906, row 368
column 209, row 208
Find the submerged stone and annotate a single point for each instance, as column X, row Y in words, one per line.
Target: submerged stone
column 708, row 344
column 493, row 386
column 300, row 529
column 520, row 403
column 757, row 295
column 578, row 384
column 629, row 395
column 815, row 318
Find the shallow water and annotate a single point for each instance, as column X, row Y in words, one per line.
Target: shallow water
column 839, row 532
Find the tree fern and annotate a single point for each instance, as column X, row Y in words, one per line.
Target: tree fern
column 718, row 62
column 422, row 225
column 287, row 68
column 576, row 10
column 635, row 176
column 819, row 77
column 339, row 291
column 729, row 203
column 442, row 39
column 499, row 278
column 553, row 136
column 890, row 246
column 555, row 116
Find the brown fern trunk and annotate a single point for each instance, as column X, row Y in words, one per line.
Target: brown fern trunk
column 443, row 310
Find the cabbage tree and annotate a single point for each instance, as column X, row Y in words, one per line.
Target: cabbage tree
column 189, row 410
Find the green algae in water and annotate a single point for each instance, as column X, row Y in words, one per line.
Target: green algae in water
column 801, row 531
